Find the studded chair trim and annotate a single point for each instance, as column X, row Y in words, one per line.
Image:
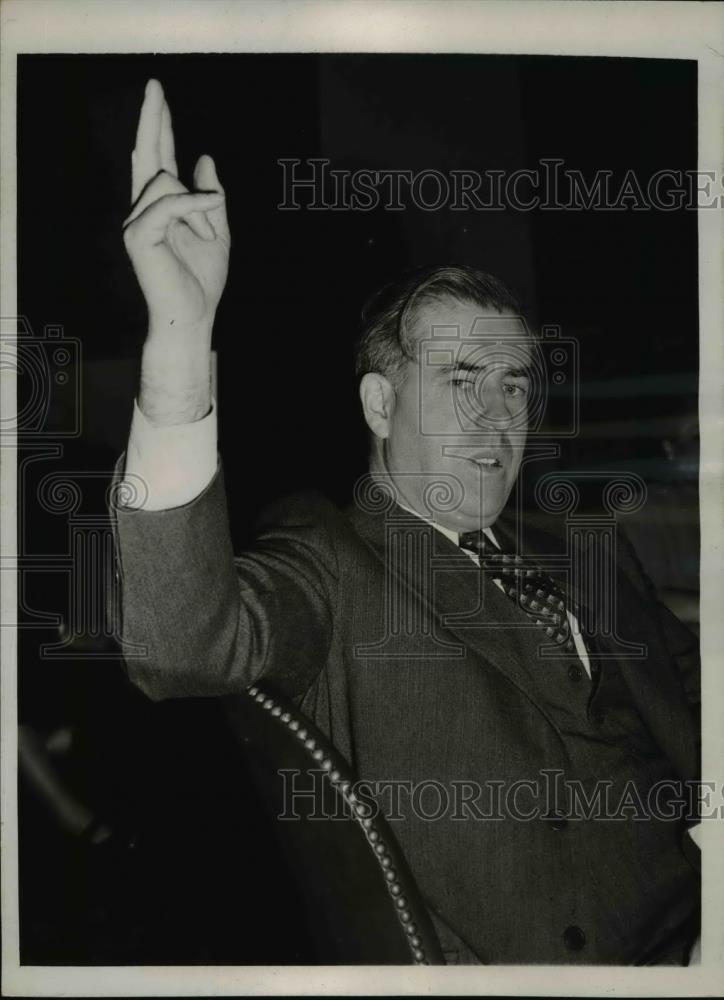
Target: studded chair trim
column 404, row 894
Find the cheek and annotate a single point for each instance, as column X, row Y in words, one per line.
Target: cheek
column 442, row 418
column 405, row 442
column 515, row 463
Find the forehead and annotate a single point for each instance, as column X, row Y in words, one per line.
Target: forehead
column 465, row 332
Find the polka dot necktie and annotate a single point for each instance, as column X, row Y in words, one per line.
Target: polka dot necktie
column 527, row 585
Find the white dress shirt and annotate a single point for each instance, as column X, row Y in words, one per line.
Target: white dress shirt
column 170, row 466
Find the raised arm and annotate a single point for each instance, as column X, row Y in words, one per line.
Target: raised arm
column 195, row 621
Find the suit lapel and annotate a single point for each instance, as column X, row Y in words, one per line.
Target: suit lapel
column 653, row 684
column 459, row 598
column 473, row 609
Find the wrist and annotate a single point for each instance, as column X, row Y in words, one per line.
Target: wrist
column 175, row 384
column 178, row 337
column 166, row 405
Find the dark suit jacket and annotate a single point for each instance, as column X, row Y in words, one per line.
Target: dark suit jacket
column 441, row 701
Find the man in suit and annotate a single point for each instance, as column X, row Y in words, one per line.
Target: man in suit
column 424, row 671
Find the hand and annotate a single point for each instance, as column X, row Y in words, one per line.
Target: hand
column 178, row 243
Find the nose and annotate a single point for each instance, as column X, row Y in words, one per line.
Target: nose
column 493, row 405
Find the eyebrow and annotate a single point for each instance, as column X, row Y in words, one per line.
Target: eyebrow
column 467, row 366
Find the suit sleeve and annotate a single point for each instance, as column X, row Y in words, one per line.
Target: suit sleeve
column 196, row 621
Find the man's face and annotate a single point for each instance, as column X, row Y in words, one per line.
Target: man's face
column 460, row 415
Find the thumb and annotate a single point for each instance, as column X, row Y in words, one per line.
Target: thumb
column 205, row 176
column 206, row 179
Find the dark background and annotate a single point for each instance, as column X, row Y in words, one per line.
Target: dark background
column 624, row 284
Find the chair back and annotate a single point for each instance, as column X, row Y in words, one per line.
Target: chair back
column 361, row 901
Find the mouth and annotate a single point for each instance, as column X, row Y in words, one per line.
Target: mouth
column 488, row 459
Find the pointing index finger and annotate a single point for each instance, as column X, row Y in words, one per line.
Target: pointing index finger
column 146, row 158
column 166, row 143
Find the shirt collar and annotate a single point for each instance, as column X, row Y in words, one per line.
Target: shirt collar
column 453, row 536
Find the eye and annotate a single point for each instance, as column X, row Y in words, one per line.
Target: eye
column 459, row 382
column 516, row 391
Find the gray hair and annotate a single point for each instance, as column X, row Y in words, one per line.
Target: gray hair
column 384, row 344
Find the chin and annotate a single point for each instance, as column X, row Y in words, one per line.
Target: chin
column 489, row 518
column 462, row 521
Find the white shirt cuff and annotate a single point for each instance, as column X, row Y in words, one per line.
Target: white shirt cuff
column 168, row 466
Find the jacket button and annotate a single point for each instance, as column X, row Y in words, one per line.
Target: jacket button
column 574, row 672
column 556, row 821
column 574, row 938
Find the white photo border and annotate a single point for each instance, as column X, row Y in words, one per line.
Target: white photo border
column 692, row 31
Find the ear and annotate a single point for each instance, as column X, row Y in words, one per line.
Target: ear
column 378, row 403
